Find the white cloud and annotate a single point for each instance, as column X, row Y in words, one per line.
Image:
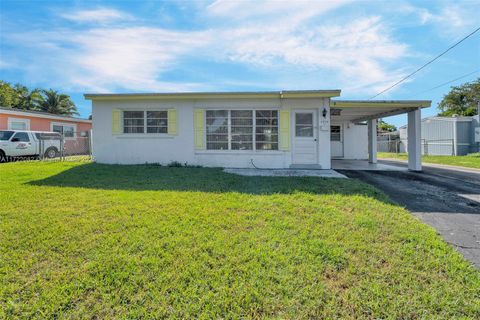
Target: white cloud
column 104, row 58
column 356, row 54
column 293, row 11
column 99, row 15
column 132, row 57
column 451, row 19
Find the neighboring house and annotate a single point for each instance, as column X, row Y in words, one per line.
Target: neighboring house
column 447, row 135
column 75, row 130
column 285, row 129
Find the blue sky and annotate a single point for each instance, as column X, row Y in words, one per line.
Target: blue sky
column 360, row 47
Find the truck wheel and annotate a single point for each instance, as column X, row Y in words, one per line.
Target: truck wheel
column 51, row 153
column 3, row 158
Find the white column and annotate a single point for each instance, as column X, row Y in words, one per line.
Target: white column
column 414, row 141
column 372, row 140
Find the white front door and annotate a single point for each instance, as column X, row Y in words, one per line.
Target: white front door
column 305, row 137
column 336, row 140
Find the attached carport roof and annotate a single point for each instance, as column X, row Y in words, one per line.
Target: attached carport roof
column 362, row 110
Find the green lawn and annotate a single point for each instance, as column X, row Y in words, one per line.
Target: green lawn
column 470, row 161
column 97, row 241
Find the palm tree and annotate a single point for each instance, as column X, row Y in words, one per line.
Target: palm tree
column 26, row 99
column 56, row 103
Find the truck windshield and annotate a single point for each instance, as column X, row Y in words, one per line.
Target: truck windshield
column 5, row 135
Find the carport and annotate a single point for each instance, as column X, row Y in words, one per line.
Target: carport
column 361, row 111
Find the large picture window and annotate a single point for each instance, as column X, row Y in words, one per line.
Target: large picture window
column 242, row 129
column 145, row 121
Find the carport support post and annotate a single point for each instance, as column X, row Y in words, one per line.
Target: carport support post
column 372, row 140
column 414, row 141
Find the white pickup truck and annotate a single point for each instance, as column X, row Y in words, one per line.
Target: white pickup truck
column 19, row 143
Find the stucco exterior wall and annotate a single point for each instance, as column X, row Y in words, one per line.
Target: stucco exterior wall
column 355, row 145
column 164, row 148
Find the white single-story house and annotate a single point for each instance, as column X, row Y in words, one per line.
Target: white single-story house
column 286, row 129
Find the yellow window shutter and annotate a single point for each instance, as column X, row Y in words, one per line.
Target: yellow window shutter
column 116, row 121
column 172, row 121
column 199, row 127
column 284, row 139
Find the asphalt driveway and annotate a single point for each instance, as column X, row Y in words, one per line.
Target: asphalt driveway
column 446, row 199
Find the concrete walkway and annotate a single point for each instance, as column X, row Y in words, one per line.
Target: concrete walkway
column 285, row 173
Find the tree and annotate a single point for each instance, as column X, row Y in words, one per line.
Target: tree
column 8, row 96
column 386, row 127
column 461, row 100
column 53, row 102
column 26, row 99
column 20, row 97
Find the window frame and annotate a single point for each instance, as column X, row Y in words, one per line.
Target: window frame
column 64, row 124
column 145, row 125
column 23, row 120
column 254, row 127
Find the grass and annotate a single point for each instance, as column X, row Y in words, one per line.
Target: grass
column 97, row 241
column 469, row 161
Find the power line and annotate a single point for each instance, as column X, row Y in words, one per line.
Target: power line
column 426, row 64
column 445, row 83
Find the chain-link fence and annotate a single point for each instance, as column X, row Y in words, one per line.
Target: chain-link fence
column 65, row 146
column 54, row 146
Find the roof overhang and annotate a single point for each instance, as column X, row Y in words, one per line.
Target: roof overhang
column 362, row 110
column 44, row 115
column 296, row 94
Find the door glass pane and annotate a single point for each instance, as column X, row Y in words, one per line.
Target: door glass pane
column 304, row 124
column 335, row 133
column 21, row 136
column 5, row 135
